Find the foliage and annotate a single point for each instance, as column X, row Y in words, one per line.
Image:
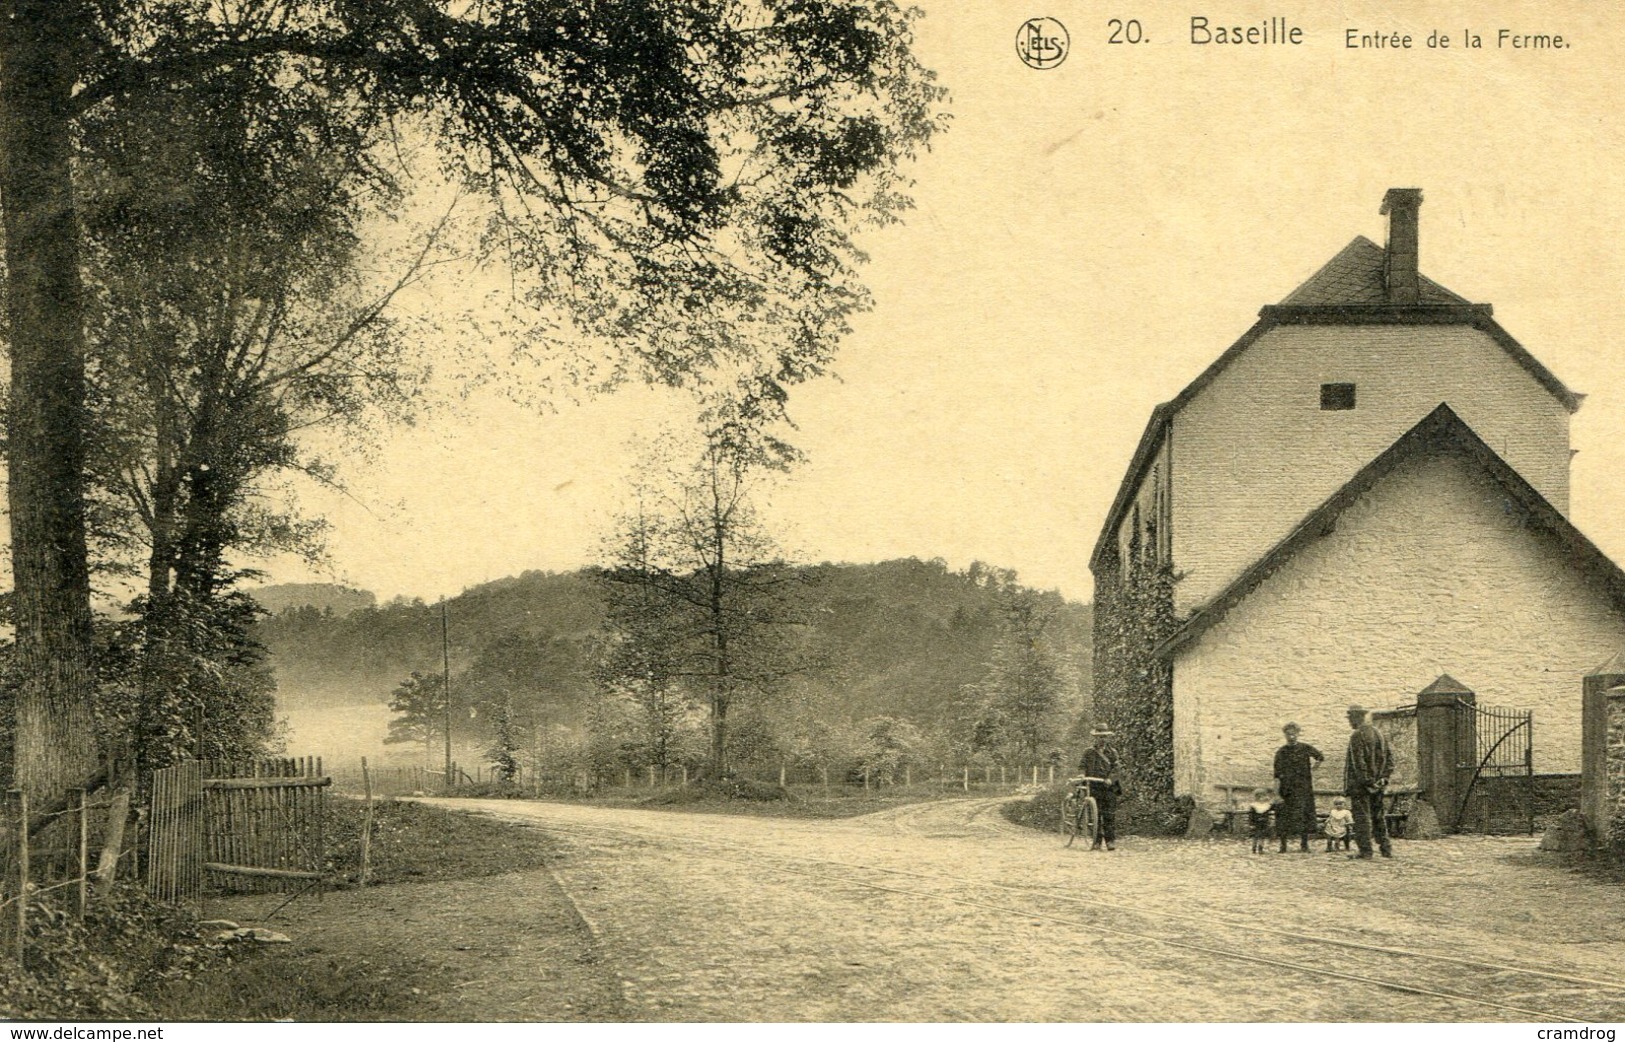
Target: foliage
column 419, row 705
column 1018, row 702
column 413, row 843
column 227, row 315
column 676, row 184
column 1134, row 615
column 889, row 747
column 903, row 638
column 697, row 594
column 105, row 967
column 186, row 679
column 1135, row 816
column 516, row 687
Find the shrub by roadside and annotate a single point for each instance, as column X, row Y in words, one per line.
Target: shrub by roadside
column 101, row 968
column 1135, row 816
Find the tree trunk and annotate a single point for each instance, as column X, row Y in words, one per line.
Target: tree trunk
column 719, row 735
column 56, row 736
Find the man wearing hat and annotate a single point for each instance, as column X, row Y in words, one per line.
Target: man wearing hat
column 1365, row 776
column 1100, row 761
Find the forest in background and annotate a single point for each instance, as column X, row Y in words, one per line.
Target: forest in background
column 895, row 662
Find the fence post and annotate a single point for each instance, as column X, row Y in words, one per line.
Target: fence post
column 366, row 826
column 824, row 770
column 1035, row 774
column 866, row 779
column 84, row 852
column 118, row 813
column 781, row 775
column 22, row 875
column 908, row 776
column 967, row 779
column 1052, row 774
column 685, row 775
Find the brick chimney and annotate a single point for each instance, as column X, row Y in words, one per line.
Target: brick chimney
column 1401, row 282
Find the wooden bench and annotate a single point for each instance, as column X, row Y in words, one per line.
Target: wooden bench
column 1397, row 805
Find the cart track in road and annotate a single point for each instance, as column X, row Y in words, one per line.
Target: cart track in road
column 1519, row 990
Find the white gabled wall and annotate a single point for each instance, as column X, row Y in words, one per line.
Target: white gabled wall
column 1253, row 452
column 1434, row 570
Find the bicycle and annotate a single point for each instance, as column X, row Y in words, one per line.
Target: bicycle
column 1080, row 814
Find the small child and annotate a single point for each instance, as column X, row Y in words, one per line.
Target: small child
column 1258, row 816
column 1339, row 823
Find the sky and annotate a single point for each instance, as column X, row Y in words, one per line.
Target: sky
column 1086, row 240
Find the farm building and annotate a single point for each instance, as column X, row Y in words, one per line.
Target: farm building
column 1367, row 492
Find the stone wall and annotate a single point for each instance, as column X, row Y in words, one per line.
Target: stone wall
column 1432, row 571
column 1616, row 770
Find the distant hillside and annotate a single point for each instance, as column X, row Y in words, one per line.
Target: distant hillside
column 359, row 657
column 900, row 638
column 324, row 597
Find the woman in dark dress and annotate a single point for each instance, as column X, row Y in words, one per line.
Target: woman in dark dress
column 1295, row 781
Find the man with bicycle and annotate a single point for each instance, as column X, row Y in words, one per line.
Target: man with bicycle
column 1100, row 761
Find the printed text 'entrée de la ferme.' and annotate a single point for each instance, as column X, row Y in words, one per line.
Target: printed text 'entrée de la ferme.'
column 1206, row 31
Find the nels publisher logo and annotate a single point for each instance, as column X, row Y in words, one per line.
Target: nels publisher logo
column 1042, row 43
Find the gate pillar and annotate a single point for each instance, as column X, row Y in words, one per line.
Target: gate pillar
column 1446, row 737
column 1594, row 743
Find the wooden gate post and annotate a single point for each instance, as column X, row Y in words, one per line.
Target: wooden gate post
column 1446, row 745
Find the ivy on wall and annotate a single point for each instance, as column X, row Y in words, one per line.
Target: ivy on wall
column 1134, row 614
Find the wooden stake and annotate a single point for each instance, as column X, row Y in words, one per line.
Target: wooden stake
column 118, row 813
column 366, row 825
column 22, row 876
column 84, row 853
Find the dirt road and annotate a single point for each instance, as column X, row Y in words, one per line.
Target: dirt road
column 943, row 911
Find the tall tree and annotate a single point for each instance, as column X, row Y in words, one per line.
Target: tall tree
column 225, row 316
column 643, row 658
column 704, row 581
column 1026, row 682
column 679, row 181
column 419, row 705
column 517, row 685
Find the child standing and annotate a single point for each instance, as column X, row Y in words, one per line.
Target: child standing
column 1258, row 816
column 1338, row 824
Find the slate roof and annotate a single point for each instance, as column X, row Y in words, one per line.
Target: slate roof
column 1354, row 276
column 1440, row 430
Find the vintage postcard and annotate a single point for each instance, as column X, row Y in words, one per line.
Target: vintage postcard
column 815, row 512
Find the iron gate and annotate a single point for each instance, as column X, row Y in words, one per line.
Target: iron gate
column 1498, row 783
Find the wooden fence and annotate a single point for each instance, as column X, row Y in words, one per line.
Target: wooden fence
column 52, row 853
column 945, row 778
column 237, row 827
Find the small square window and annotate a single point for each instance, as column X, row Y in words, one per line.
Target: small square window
column 1335, row 397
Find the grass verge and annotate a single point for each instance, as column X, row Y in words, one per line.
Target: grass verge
column 752, row 798
column 134, row 959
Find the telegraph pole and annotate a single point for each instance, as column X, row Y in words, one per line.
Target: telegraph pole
column 445, row 676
